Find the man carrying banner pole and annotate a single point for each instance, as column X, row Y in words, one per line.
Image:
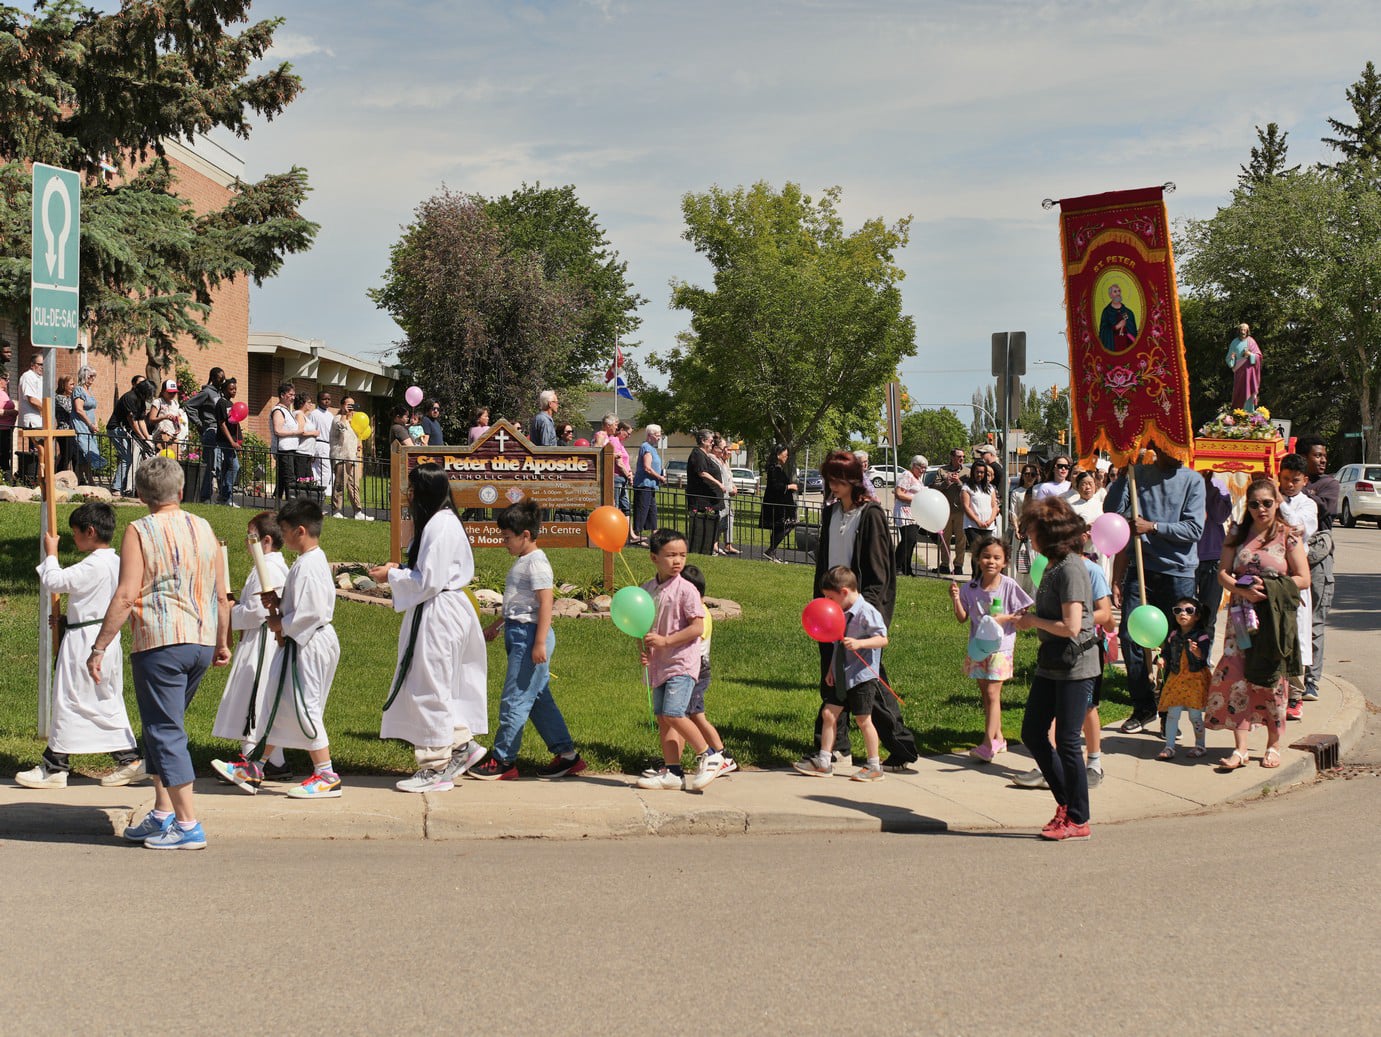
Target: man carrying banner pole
column 1131, row 391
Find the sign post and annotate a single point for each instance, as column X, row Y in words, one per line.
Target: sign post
column 54, row 317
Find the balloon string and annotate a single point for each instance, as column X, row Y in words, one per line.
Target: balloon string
column 877, row 675
column 647, row 680
column 632, row 580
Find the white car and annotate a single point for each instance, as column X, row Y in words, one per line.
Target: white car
column 884, row 474
column 746, row 480
column 1361, row 493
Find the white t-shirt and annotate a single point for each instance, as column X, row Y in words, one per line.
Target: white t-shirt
column 527, row 575
column 842, row 530
column 30, row 384
column 322, row 419
column 1301, row 512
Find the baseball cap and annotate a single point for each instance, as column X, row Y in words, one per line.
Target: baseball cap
column 170, row 385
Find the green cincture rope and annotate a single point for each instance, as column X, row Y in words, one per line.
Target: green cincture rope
column 258, row 671
column 299, row 699
column 406, row 663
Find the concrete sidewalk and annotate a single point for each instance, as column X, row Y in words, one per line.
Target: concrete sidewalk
column 946, row 792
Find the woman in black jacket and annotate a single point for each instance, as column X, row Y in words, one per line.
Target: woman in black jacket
column 854, row 532
column 778, row 502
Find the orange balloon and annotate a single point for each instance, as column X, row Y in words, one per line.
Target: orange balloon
column 608, row 528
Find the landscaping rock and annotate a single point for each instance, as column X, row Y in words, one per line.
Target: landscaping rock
column 567, row 590
column 601, row 603
column 94, row 493
column 66, row 480
column 363, row 584
column 487, row 597
column 569, row 608
column 723, row 608
column 16, row 494
column 343, row 582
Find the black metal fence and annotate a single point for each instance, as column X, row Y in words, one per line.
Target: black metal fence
column 255, row 474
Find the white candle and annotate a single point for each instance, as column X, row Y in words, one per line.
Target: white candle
column 261, row 567
column 225, row 565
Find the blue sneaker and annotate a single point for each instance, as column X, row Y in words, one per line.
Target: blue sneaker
column 148, row 828
column 178, row 838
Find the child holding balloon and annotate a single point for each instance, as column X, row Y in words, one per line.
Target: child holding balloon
column 989, row 594
column 1185, row 664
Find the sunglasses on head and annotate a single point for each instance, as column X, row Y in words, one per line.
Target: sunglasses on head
column 1184, row 610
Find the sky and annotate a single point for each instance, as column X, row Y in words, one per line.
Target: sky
column 963, row 116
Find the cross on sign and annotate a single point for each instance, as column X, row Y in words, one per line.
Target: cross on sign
column 501, row 437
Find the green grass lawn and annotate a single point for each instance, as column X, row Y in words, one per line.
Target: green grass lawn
column 763, row 698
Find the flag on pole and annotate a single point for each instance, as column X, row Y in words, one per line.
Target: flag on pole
column 621, row 388
column 615, row 371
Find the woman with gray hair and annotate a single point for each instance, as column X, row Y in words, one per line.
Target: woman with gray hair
column 173, row 590
column 648, row 477
column 87, row 455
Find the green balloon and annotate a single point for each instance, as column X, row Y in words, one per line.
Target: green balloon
column 1038, row 564
column 1148, row 626
column 633, row 611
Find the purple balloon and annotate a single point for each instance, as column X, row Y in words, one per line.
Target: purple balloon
column 413, row 396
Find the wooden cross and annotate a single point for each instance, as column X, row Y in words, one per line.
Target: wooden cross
column 47, row 633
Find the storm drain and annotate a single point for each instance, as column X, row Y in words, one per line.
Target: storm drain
column 1324, row 749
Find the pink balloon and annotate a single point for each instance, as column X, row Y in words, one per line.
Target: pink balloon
column 413, row 396
column 1110, row 533
column 823, row 620
column 239, row 410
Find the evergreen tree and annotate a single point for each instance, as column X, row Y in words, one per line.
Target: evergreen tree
column 1360, row 143
column 100, row 93
column 1268, row 158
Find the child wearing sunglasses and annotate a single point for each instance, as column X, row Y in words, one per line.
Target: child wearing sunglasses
column 1186, row 670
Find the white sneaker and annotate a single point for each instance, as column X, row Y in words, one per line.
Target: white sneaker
column 41, row 777
column 337, row 514
column 126, row 775
column 426, row 780
column 462, row 759
column 663, row 779
column 360, row 516
column 707, row 768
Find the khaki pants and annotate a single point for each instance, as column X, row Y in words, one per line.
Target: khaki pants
column 346, row 482
column 437, row 756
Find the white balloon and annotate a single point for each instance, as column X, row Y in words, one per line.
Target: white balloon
column 930, row 509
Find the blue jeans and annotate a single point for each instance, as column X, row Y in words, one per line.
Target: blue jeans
column 621, row 494
column 1172, row 725
column 119, row 437
column 227, row 470
column 672, row 697
column 527, row 696
column 1067, row 703
column 1162, row 591
column 165, row 680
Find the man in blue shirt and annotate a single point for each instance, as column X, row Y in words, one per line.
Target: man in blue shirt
column 1169, row 523
column 543, row 423
column 431, row 423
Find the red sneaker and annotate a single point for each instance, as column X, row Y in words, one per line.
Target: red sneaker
column 1070, row 831
column 1055, row 823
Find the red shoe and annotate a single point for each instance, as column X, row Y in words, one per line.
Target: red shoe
column 494, row 769
column 1294, row 711
column 1055, row 823
column 1068, row 832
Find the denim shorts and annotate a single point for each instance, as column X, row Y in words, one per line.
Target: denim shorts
column 672, row 696
column 702, row 684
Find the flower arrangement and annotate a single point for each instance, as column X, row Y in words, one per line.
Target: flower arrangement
column 1241, row 424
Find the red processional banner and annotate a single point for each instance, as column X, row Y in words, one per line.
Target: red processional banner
column 1126, row 352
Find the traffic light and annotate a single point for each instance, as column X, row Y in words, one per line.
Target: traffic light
column 1062, row 437
column 991, row 439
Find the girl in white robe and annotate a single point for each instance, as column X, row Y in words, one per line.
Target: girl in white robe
column 85, row 716
column 243, row 711
column 439, row 696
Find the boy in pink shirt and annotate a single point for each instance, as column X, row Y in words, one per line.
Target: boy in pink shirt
column 671, row 652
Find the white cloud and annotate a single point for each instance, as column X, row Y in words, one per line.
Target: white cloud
column 289, row 45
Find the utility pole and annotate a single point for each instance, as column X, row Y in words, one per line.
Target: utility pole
column 1009, row 364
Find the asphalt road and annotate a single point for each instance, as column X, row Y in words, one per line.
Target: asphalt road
column 1351, row 649
column 1258, row 919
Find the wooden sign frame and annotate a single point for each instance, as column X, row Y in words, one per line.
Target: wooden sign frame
column 501, row 468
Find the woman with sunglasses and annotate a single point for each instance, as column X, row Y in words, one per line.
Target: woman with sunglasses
column 1029, row 476
column 1251, row 684
column 1057, row 482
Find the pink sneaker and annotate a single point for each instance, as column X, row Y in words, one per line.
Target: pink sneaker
column 984, row 753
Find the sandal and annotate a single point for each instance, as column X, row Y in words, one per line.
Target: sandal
column 1196, row 752
column 1166, row 754
column 732, row 550
column 1233, row 762
column 1271, row 759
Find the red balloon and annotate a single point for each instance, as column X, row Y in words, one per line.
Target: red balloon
column 608, row 528
column 239, row 410
column 581, row 442
column 823, row 620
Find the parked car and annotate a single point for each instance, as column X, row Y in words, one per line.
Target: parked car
column 676, row 473
column 884, row 474
column 746, row 480
column 1361, row 493
column 810, row 480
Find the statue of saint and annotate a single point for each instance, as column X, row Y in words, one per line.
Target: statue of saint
column 1244, row 357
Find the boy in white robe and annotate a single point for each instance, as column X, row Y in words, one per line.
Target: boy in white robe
column 300, row 680
column 1300, row 510
column 243, row 711
column 439, row 696
column 86, row 716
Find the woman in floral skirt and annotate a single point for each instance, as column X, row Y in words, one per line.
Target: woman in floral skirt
column 1262, row 546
